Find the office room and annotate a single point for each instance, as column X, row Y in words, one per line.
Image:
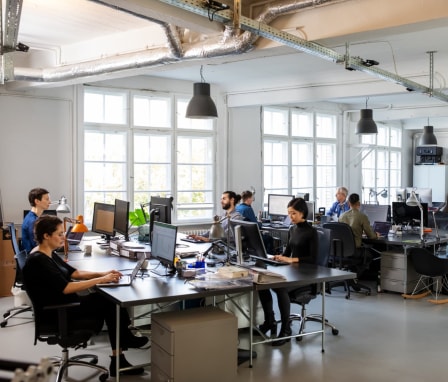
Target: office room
column 287, row 121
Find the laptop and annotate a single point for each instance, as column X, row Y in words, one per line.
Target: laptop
column 73, row 240
column 382, row 228
column 126, row 280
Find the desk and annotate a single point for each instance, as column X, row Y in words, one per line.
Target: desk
column 397, row 273
column 169, row 289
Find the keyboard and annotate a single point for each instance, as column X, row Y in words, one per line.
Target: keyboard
column 269, row 261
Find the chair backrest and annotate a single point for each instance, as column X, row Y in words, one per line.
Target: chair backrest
column 14, row 241
column 324, row 237
column 342, row 239
column 427, row 264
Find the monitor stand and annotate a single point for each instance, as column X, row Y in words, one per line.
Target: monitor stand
column 166, row 271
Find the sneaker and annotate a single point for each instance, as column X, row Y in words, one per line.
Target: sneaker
column 123, row 364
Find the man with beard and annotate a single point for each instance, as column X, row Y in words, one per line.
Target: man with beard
column 229, row 200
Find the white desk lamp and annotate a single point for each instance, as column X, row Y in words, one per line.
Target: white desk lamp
column 63, row 206
column 412, row 201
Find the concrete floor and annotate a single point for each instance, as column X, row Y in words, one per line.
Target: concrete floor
column 382, row 337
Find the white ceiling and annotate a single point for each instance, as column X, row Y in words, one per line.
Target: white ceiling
column 70, row 32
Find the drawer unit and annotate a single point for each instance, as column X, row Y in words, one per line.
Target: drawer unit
column 397, row 272
column 194, row 345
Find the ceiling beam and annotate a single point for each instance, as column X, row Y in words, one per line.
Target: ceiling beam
column 266, row 31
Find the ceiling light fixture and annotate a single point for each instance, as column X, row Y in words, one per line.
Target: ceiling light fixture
column 201, row 106
column 366, row 124
column 428, row 137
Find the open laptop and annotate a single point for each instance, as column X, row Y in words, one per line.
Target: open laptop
column 126, row 280
column 73, row 240
column 382, row 228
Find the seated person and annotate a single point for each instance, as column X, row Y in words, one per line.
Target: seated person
column 247, row 212
column 358, row 221
column 55, row 282
column 229, row 200
column 340, row 205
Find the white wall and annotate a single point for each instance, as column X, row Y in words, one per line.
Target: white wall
column 35, row 148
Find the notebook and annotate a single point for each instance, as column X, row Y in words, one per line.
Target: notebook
column 382, row 228
column 126, row 280
column 73, row 240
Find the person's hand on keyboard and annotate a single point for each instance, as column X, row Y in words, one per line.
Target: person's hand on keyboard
column 198, row 238
column 286, row 259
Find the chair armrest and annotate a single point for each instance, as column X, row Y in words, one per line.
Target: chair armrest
column 62, row 315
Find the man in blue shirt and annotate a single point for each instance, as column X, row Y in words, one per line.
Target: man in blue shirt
column 340, row 205
column 39, row 199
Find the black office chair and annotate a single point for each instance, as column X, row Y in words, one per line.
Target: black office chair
column 60, row 334
column 433, row 273
column 18, row 283
column 304, row 295
column 345, row 255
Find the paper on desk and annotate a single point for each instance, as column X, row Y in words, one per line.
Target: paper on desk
column 262, row 276
column 215, row 281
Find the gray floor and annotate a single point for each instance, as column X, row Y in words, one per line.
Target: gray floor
column 382, row 338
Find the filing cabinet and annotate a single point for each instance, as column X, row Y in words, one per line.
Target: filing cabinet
column 198, row 345
column 7, row 263
column 397, row 272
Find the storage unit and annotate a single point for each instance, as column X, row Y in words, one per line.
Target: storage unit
column 7, row 263
column 434, row 176
column 199, row 345
column 397, row 272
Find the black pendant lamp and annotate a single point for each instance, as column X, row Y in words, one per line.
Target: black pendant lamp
column 366, row 124
column 428, row 137
column 201, row 106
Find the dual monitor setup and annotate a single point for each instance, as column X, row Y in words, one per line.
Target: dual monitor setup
column 112, row 219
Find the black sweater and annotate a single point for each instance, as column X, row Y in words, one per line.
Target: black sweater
column 302, row 243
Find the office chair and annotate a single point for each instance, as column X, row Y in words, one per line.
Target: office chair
column 18, row 283
column 433, row 272
column 304, row 295
column 345, row 255
column 60, row 334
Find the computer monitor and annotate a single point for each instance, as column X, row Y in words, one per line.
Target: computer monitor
column 121, row 218
column 46, row 212
column 163, row 246
column 248, row 238
column 400, row 195
column 162, row 208
column 404, row 214
column 376, row 212
column 304, row 195
column 424, row 195
column 311, row 212
column 278, row 206
column 103, row 220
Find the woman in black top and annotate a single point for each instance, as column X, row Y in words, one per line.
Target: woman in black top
column 301, row 247
column 50, row 281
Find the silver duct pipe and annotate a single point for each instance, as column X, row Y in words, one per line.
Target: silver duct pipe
column 227, row 44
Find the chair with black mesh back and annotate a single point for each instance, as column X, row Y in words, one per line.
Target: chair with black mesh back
column 433, row 272
column 304, row 295
column 24, row 304
column 62, row 334
column 344, row 255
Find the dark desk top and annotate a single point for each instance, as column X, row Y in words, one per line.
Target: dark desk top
column 411, row 239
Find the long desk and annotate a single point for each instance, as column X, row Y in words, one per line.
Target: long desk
column 397, row 273
column 156, row 289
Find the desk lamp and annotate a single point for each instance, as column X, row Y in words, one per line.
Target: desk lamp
column 216, row 230
column 63, row 206
column 413, row 202
column 78, row 226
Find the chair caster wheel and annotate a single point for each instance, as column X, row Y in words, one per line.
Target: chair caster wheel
column 104, row 377
column 335, row 332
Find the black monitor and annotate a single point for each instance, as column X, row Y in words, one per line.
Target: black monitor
column 163, row 245
column 46, row 212
column 278, row 205
column 103, row 220
column 404, row 214
column 311, row 212
column 162, row 208
column 248, row 238
column 376, row 212
column 121, row 218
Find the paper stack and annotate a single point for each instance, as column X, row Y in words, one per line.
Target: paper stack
column 232, row 272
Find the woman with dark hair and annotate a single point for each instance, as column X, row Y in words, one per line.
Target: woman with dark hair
column 301, row 247
column 51, row 281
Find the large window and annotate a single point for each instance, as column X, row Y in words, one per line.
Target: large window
column 300, row 152
column 138, row 144
column 381, row 165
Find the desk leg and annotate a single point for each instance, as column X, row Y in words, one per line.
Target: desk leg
column 251, row 325
column 117, row 342
column 323, row 316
